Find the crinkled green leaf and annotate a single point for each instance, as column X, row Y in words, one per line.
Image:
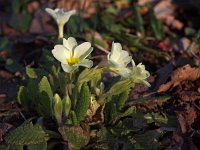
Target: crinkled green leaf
column 88, row 74
column 40, row 146
column 27, row 134
column 35, row 73
column 75, row 136
column 23, row 98
column 45, row 101
column 83, row 102
column 119, row 87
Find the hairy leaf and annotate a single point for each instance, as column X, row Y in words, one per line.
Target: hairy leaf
column 83, row 103
column 120, row 87
column 27, row 134
column 45, row 98
column 75, row 136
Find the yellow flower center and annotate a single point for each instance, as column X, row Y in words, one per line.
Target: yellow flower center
column 71, row 60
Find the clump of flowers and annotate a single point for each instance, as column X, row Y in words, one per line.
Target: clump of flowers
column 78, row 98
column 118, row 60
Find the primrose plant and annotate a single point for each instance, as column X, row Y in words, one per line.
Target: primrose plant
column 80, row 96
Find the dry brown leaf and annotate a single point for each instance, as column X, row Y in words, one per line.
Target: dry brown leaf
column 181, row 74
column 186, row 119
column 143, row 2
column 32, row 6
column 164, row 9
column 189, row 96
column 5, row 74
column 4, row 127
column 182, row 44
column 39, row 25
column 8, row 30
column 87, row 7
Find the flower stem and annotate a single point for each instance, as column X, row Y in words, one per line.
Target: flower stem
column 60, row 31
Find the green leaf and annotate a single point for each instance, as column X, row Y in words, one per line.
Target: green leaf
column 130, row 111
column 48, row 60
column 107, row 140
column 22, row 98
column 27, row 134
column 66, row 102
column 72, row 24
column 35, row 73
column 44, row 86
column 149, row 100
column 162, row 119
column 20, row 21
column 149, row 140
column 13, row 66
column 190, row 31
column 58, row 108
column 40, row 146
column 88, row 75
column 139, row 25
column 119, row 87
column 4, row 147
column 83, row 102
column 156, row 117
column 156, row 25
column 75, row 136
column 45, row 102
column 122, row 99
column 63, row 83
column 74, row 118
column 33, row 92
column 110, row 112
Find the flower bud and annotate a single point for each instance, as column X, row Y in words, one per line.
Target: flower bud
column 58, row 108
column 66, row 103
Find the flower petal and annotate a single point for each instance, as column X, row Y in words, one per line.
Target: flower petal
column 61, row 53
column 83, row 50
column 70, row 43
column 51, row 12
column 115, row 51
column 67, row 15
column 113, row 64
column 124, row 72
column 68, row 68
column 124, row 58
column 133, row 62
column 86, row 63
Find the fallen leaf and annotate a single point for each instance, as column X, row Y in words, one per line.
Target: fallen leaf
column 32, row 6
column 5, row 74
column 9, row 31
column 39, row 25
column 186, row 118
column 177, row 24
column 162, row 76
column 3, row 55
column 189, row 96
column 87, row 8
column 2, row 98
column 143, row 2
column 4, row 127
column 182, row 44
column 98, row 117
column 181, row 74
column 164, row 8
column 97, row 40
